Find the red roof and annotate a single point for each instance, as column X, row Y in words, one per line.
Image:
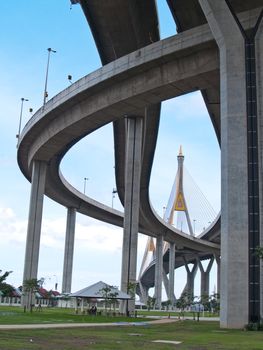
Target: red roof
column 45, row 293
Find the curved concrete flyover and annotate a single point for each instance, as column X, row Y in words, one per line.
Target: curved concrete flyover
column 125, row 87
column 147, row 279
column 157, row 72
column 212, row 234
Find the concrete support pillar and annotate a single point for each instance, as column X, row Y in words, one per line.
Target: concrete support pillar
column 259, row 70
column 165, row 282
column 82, row 306
column 158, row 272
column 76, row 305
column 34, row 226
column 218, row 262
column 234, row 156
column 131, row 207
column 205, row 274
column 189, row 288
column 144, row 293
column 171, row 295
column 69, row 251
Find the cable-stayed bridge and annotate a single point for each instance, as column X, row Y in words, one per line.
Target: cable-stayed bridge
column 186, row 207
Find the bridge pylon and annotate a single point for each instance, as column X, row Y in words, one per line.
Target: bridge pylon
column 179, row 201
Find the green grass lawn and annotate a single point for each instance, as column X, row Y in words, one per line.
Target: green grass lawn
column 16, row 315
column 193, row 335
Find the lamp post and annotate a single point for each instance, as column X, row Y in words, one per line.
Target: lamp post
column 114, row 191
column 70, row 78
column 164, row 209
column 85, row 180
column 45, row 90
column 21, row 115
column 194, row 225
column 56, row 283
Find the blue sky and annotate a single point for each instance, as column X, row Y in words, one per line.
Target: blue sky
column 29, row 28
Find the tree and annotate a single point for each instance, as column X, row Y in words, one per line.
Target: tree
column 31, row 286
column 4, row 276
column 205, row 301
column 5, row 288
column 215, row 302
column 259, row 252
column 185, row 300
column 166, row 304
column 109, row 293
column 49, row 296
column 150, row 303
column 131, row 289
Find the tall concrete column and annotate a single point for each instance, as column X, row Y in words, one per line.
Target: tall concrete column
column 171, row 295
column 165, row 282
column 237, row 215
column 131, row 206
column 205, row 275
column 218, row 262
column 144, row 293
column 189, row 288
column 158, row 272
column 69, row 251
column 259, row 69
column 34, row 226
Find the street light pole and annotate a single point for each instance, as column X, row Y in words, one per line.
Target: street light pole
column 21, row 114
column 56, row 283
column 70, row 78
column 45, row 90
column 194, row 225
column 114, row 191
column 85, row 179
column 164, row 209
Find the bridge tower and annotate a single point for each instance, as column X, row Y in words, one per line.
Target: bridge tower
column 177, row 198
column 176, row 202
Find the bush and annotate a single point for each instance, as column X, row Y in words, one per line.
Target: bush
column 254, row 326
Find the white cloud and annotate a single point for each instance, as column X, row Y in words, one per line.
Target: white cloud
column 92, row 234
column 53, row 233
column 11, row 229
column 101, row 237
column 6, row 213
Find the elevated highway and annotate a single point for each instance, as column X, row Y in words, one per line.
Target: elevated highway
column 139, row 72
column 162, row 70
column 110, row 93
